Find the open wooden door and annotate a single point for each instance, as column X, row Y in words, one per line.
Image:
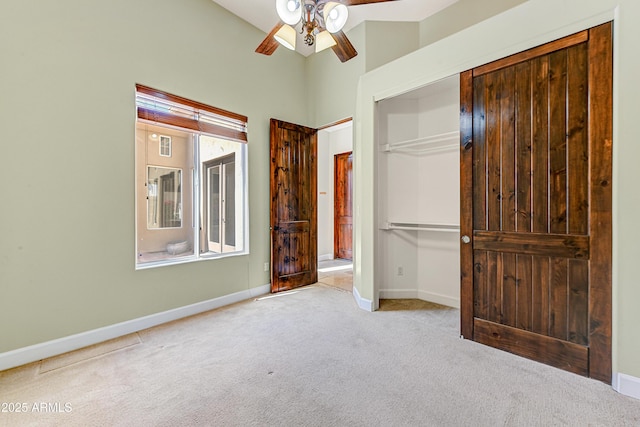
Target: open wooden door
column 343, row 206
column 536, row 148
column 293, row 193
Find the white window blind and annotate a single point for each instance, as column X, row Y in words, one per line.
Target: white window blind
column 158, row 107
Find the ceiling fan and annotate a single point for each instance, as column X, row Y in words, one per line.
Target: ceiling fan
column 321, row 23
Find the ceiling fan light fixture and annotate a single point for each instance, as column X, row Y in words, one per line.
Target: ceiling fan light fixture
column 335, row 16
column 290, row 11
column 324, row 40
column 286, row 36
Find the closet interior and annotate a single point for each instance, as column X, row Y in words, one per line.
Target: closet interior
column 418, row 188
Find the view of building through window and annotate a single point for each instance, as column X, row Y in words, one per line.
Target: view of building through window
column 190, row 186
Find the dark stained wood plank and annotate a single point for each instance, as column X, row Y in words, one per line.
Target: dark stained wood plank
column 558, row 298
column 561, row 354
column 494, row 164
column 523, row 147
column 295, row 226
column 509, row 291
column 524, row 279
column 578, row 302
column 294, row 254
column 577, row 139
column 507, row 143
column 540, row 295
column 557, row 245
column 479, row 156
column 480, row 294
column 532, row 53
column 466, row 204
column 540, row 145
column 601, row 141
column 558, row 142
column 494, row 287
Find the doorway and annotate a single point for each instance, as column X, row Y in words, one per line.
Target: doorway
column 332, row 140
column 300, row 199
column 335, row 266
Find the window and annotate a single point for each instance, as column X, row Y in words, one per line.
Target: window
column 165, row 146
column 191, row 180
column 164, row 197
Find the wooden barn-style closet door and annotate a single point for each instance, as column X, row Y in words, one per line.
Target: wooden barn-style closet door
column 536, row 147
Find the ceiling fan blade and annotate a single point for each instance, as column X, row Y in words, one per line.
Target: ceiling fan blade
column 270, row 44
column 358, row 2
column 343, row 48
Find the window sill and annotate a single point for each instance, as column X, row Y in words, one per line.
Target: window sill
column 187, row 260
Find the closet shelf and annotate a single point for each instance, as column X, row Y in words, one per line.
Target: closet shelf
column 451, row 228
column 428, row 144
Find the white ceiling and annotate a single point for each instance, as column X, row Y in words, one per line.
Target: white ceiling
column 262, row 13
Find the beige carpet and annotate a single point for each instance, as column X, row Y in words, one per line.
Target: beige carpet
column 309, row 357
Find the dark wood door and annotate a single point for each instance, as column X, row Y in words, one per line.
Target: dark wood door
column 536, row 139
column 294, row 228
column 343, row 206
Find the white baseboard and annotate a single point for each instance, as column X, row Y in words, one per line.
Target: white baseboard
column 423, row 295
column 363, row 303
column 33, row 353
column 627, row 385
column 325, row 257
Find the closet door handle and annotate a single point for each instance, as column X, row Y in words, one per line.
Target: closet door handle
column 465, row 239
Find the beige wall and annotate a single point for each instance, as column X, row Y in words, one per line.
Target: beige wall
column 529, row 24
column 461, row 15
column 387, row 41
column 332, row 84
column 67, row 114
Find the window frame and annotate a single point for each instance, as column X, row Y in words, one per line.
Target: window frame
column 196, row 120
column 162, row 139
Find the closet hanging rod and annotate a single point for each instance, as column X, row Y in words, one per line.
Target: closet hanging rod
column 428, row 143
column 452, row 228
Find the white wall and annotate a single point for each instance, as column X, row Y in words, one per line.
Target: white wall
column 530, row 24
column 331, row 141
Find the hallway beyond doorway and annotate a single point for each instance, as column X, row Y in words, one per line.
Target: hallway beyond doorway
column 337, row 273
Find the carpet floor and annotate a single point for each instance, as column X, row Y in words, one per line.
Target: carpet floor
column 308, row 357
